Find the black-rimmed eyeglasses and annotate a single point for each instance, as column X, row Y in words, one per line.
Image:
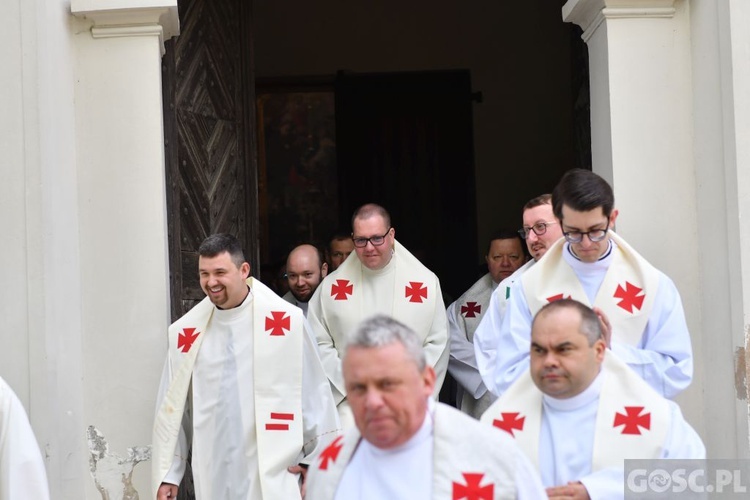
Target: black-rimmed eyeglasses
column 375, row 240
column 595, row 235
column 539, row 229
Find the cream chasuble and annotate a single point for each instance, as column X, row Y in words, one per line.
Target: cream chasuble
column 269, row 364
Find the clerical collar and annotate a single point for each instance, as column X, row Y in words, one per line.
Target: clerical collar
column 603, row 257
column 589, row 268
column 379, row 272
column 424, row 433
column 590, row 394
column 235, row 312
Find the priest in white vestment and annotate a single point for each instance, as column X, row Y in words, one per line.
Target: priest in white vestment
column 22, row 472
column 405, row 446
column 598, row 268
column 380, row 277
column 504, row 256
column 579, row 411
column 244, row 385
column 305, row 269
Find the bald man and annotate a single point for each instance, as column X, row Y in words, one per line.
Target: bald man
column 305, row 269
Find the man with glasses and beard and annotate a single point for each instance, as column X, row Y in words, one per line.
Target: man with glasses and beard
column 384, row 278
column 598, row 268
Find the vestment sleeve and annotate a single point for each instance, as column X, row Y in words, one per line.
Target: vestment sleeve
column 664, row 356
column 682, row 440
column 435, row 345
column 463, row 363
column 329, row 356
column 177, row 471
column 320, row 418
column 513, row 343
column 487, row 339
column 22, row 473
column 528, row 483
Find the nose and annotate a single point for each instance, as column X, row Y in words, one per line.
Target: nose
column 550, row 360
column 531, row 237
column 505, row 261
column 373, row 399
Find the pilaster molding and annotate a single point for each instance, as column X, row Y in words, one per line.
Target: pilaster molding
column 589, row 14
column 115, row 18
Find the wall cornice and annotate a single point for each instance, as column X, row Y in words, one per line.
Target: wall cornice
column 589, row 14
column 114, row 18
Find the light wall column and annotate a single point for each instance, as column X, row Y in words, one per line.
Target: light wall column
column 122, row 217
column 642, row 141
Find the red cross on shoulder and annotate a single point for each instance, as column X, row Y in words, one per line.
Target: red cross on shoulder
column 416, row 292
column 633, row 420
column 509, row 422
column 278, row 322
column 471, row 309
column 341, row 289
column 331, row 453
column 472, row 489
column 186, row 338
column 629, row 297
column 559, row 296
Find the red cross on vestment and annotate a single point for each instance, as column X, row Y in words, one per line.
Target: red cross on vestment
column 279, row 417
column 186, row 338
column 340, row 289
column 559, row 296
column 278, row 322
column 416, row 292
column 629, row 297
column 633, row 420
column 509, row 422
column 330, row 454
column 471, row 490
column 471, row 309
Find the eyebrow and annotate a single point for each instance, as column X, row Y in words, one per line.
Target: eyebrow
column 594, row 227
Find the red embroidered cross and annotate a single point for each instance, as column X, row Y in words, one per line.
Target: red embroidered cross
column 279, row 416
column 471, row 490
column 340, row 289
column 186, row 338
column 471, row 309
column 633, row 420
column 629, row 296
column 509, row 422
column 278, row 322
column 416, row 292
column 331, row 453
column 559, row 296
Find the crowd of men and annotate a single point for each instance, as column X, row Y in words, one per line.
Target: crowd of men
column 567, row 362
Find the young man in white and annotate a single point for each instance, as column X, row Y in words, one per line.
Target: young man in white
column 579, row 412
column 382, row 277
column 541, row 231
column 305, row 269
column 504, row 256
column 406, row 446
column 243, row 383
column 598, row 268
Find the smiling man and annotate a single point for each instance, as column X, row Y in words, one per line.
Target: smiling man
column 383, row 277
column 244, row 384
column 598, row 268
column 579, row 412
column 405, row 446
column 305, row 269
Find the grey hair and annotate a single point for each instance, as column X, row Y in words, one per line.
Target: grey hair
column 380, row 331
column 590, row 328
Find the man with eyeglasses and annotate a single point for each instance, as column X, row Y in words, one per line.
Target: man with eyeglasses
column 382, row 277
column 596, row 267
column 305, row 270
column 504, row 256
column 540, row 231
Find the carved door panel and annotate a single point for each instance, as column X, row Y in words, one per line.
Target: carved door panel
column 209, row 130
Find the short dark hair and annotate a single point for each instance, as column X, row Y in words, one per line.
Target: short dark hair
column 338, row 235
column 368, row 210
column 504, row 234
column 543, row 199
column 582, row 190
column 591, row 328
column 220, row 243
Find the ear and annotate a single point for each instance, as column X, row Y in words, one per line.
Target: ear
column 600, row 348
column 394, row 232
column 245, row 270
column 324, row 270
column 613, row 218
column 428, row 377
column 487, row 259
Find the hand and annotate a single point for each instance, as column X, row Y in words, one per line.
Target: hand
column 606, row 327
column 299, row 469
column 571, row 491
column 166, row 491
